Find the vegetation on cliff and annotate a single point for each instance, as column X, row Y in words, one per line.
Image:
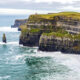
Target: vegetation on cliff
column 49, row 28
column 63, row 35
column 34, row 30
column 49, row 17
column 42, row 30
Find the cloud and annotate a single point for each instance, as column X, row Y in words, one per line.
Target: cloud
column 40, row 1
column 24, row 7
column 71, row 8
column 52, row 1
column 21, row 11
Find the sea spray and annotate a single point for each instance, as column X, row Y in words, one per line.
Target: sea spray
column 8, row 29
column 27, row 63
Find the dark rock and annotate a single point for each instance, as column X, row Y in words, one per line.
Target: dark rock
column 53, row 24
column 30, row 39
column 4, row 38
column 65, row 45
column 19, row 29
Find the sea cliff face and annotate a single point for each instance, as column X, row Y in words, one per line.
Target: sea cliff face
column 30, row 38
column 63, row 44
column 53, row 32
column 70, row 25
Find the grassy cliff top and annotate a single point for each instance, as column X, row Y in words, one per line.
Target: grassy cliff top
column 63, row 35
column 42, row 17
column 66, row 14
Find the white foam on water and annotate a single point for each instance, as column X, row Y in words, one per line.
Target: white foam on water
column 73, row 62
column 39, row 54
column 21, row 57
column 4, row 77
column 15, row 43
column 8, row 29
column 17, row 59
column 69, row 60
column 45, row 54
column 9, row 43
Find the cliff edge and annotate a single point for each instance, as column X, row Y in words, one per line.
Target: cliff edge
column 53, row 32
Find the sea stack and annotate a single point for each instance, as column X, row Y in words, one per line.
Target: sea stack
column 4, row 38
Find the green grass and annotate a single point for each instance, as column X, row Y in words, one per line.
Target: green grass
column 63, row 35
column 24, row 30
column 67, row 14
column 57, row 34
column 34, row 30
column 43, row 17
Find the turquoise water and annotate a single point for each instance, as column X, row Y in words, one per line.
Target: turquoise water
column 26, row 63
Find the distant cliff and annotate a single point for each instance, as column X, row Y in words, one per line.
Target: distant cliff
column 19, row 22
column 53, row 32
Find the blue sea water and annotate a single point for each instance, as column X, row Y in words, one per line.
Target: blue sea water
column 27, row 63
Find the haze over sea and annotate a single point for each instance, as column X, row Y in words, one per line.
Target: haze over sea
column 26, row 63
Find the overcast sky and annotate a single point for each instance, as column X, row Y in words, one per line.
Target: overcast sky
column 26, row 7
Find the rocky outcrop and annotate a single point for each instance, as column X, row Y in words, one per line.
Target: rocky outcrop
column 30, row 39
column 4, row 38
column 69, row 24
column 18, row 23
column 63, row 32
column 65, row 45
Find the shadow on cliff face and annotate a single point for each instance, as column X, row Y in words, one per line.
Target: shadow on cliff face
column 43, row 67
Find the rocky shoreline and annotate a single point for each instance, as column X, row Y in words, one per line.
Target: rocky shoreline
column 65, row 45
column 31, row 39
column 57, row 32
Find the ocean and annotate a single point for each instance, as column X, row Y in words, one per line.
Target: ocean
column 27, row 63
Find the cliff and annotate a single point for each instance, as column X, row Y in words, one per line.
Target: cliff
column 19, row 23
column 30, row 37
column 65, row 43
column 53, row 32
column 66, row 20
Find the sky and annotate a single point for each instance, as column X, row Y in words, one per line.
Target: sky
column 27, row 7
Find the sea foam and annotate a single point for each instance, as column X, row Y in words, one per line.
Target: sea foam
column 9, row 43
column 4, row 77
column 8, row 29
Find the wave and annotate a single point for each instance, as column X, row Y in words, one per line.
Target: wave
column 44, row 54
column 8, row 29
column 37, row 53
column 11, row 43
column 17, row 59
column 4, row 77
column 70, row 60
